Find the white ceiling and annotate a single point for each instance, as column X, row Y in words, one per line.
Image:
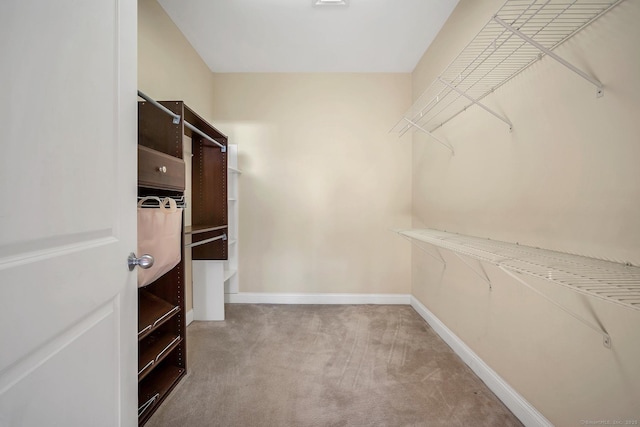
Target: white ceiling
column 292, row 36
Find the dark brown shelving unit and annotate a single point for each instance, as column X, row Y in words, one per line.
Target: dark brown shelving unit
column 153, row 312
column 156, row 348
column 209, row 216
column 155, row 388
column 161, row 172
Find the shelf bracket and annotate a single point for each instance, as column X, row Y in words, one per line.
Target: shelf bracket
column 438, row 258
column 595, row 82
column 483, row 276
column 404, row 130
column 443, row 143
column 441, row 257
column 606, row 339
column 475, row 101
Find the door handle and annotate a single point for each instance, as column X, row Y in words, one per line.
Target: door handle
column 145, row 261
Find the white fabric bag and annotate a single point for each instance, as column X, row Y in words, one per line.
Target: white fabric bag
column 159, row 235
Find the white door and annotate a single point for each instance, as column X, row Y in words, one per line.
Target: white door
column 67, row 215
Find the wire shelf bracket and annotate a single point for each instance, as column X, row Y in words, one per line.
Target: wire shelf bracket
column 609, row 281
column 518, row 35
column 606, row 339
column 443, row 143
column 438, row 258
column 595, row 82
column 476, row 102
column 482, row 274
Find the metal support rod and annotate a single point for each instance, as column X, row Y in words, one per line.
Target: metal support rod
column 148, row 403
column 404, row 130
column 475, row 101
column 484, row 276
column 606, row 340
column 444, row 263
column 176, row 117
column 414, row 124
column 202, row 242
column 204, row 135
column 553, row 55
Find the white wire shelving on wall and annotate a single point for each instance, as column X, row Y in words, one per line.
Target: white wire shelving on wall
column 613, row 282
column 519, row 34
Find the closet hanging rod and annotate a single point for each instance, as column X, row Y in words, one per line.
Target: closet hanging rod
column 205, row 136
column 202, row 242
column 180, row 200
column 176, row 117
column 176, row 120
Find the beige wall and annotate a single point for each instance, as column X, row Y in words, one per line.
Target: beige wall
column 323, row 181
column 566, row 178
column 170, row 69
column 168, row 66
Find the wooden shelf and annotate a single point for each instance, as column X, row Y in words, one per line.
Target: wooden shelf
column 158, row 386
column 158, row 347
column 152, row 312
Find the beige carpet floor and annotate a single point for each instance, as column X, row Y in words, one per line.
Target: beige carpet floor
column 326, row 365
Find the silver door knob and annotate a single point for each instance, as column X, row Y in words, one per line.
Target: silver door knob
column 145, row 261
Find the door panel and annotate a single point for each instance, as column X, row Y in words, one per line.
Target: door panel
column 67, row 215
column 88, row 343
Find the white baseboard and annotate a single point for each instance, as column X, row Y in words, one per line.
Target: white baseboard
column 522, row 409
column 189, row 317
column 276, row 298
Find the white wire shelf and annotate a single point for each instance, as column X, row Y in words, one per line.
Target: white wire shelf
column 519, row 34
column 614, row 282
